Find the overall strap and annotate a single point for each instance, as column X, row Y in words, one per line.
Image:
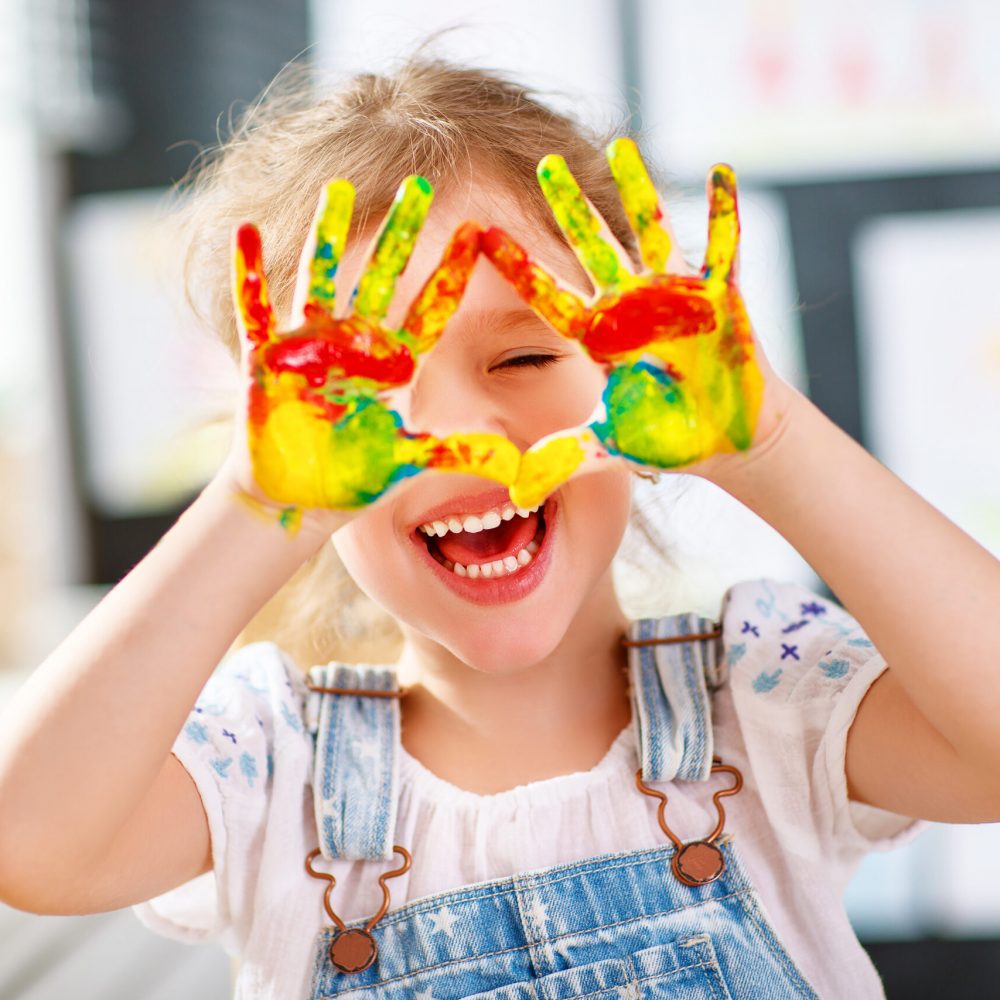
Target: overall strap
column 356, row 761
column 671, row 684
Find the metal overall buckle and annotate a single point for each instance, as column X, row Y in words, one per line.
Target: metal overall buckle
column 697, row 862
column 354, row 949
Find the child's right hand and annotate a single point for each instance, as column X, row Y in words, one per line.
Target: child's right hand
column 319, row 431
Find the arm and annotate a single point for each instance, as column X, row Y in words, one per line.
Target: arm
column 87, row 734
column 690, row 389
column 926, row 740
column 94, row 811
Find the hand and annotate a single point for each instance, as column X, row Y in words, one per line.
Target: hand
column 320, row 430
column 685, row 377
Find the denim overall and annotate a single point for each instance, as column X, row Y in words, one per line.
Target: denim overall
column 614, row 926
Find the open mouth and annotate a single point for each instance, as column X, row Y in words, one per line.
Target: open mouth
column 500, row 543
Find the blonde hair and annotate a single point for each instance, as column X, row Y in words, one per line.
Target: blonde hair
column 428, row 117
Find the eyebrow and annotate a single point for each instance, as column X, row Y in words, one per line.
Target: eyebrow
column 504, row 321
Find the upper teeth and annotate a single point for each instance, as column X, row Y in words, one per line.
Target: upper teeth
column 476, row 522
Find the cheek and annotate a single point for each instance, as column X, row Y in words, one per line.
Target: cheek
column 610, row 503
column 587, row 380
column 596, row 515
column 363, row 545
column 562, row 397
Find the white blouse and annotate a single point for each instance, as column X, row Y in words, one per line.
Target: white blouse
column 782, row 718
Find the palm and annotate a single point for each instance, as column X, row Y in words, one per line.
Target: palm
column 682, row 380
column 320, row 428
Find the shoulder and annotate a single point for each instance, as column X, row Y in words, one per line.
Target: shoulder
column 260, row 673
column 784, row 643
column 799, row 666
column 253, row 701
column 245, row 746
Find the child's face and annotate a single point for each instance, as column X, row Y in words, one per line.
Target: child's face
column 511, row 619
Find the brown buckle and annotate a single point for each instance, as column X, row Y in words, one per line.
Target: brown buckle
column 697, row 862
column 363, row 691
column 355, row 949
column 714, row 634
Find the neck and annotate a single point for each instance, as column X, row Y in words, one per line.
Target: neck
column 494, row 731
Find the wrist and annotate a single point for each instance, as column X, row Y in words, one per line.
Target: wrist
column 305, row 530
column 743, row 474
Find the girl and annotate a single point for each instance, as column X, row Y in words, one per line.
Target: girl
column 478, row 815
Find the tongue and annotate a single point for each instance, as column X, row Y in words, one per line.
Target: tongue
column 491, row 543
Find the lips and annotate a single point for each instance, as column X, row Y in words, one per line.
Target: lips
column 487, row 589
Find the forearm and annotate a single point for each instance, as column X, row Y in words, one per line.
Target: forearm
column 926, row 594
column 89, row 730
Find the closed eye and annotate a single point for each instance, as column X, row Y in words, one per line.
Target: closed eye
column 529, row 360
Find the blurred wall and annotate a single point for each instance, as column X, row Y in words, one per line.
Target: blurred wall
column 867, row 140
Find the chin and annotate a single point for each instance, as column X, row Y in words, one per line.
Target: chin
column 548, row 561
column 508, row 644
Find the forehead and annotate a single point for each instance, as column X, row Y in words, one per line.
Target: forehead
column 493, row 204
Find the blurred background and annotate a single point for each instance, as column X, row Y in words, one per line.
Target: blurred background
column 866, row 136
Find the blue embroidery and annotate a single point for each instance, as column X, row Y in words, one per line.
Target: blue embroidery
column 839, row 627
column 769, row 607
column 747, row 627
column 835, row 668
column 765, row 682
column 222, row 766
column 787, row 651
column 229, row 735
column 795, row 626
column 249, row 767
column 270, row 765
column 813, row 608
column 196, row 731
column 250, row 684
column 861, row 641
column 736, row 653
column 260, row 721
column 766, row 607
column 214, row 709
column 290, row 718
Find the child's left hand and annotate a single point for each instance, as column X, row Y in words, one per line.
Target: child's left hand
column 687, row 383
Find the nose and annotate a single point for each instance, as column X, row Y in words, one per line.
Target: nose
column 440, row 401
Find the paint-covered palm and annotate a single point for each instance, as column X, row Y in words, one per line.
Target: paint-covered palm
column 683, row 382
column 321, row 430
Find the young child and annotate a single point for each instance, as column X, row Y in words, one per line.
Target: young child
column 538, row 798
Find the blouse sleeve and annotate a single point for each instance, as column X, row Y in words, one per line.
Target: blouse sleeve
column 247, row 724
column 800, row 666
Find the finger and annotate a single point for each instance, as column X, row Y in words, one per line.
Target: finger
column 558, row 307
column 393, row 247
column 723, row 225
column 491, row 456
column 254, row 314
column 316, row 290
column 443, row 290
column 553, row 460
column 641, row 203
column 581, row 225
